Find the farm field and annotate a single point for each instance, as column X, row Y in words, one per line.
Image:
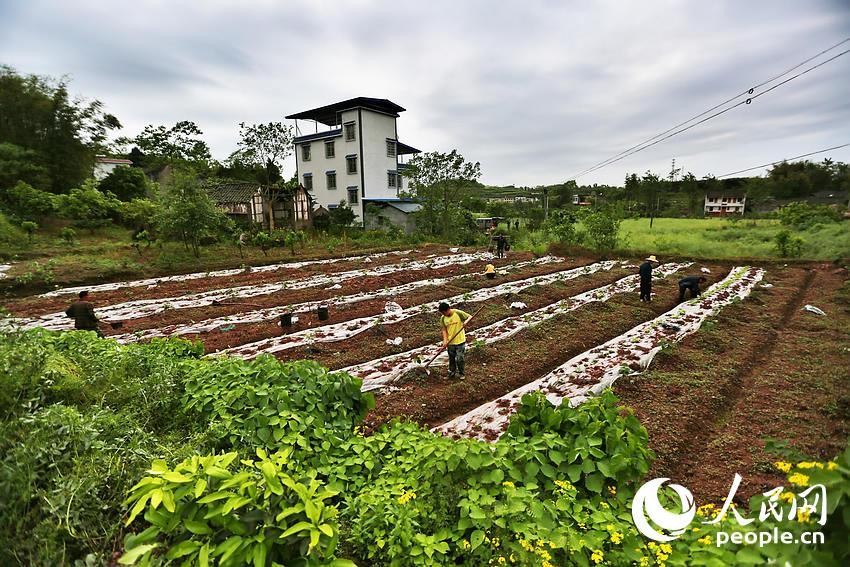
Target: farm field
column 711, row 380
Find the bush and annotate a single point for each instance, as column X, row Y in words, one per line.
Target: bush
column 87, row 206
column 139, row 213
column 29, row 227
column 9, row 233
column 788, row 245
column 126, row 183
column 27, row 202
column 562, row 226
column 804, row 215
column 603, row 227
column 68, row 235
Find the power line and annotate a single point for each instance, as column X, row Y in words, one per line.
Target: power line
column 646, row 143
column 781, row 161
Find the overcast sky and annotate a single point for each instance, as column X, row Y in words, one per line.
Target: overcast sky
column 535, row 90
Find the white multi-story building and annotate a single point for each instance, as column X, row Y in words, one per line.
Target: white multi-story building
column 721, row 204
column 356, row 157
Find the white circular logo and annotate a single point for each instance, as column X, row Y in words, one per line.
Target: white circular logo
column 645, row 507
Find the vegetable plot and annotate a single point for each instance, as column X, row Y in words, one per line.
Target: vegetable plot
column 148, row 307
column 274, row 312
column 348, row 329
column 153, row 282
column 591, row 372
column 377, row 373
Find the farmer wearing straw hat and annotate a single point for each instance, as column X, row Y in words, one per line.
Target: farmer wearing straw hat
column 646, row 279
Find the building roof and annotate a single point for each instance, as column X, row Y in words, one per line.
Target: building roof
column 404, row 205
column 404, row 149
column 328, row 114
column 319, row 135
column 102, row 159
column 726, row 193
column 233, row 192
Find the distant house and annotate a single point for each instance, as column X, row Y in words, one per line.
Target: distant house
column 582, row 200
column 103, row 166
column 396, row 211
column 724, row 203
column 248, row 203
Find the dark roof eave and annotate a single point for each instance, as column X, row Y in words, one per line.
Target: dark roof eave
column 404, row 149
column 327, row 114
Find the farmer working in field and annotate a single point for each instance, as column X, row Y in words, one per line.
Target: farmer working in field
column 82, row 312
column 501, row 245
column 454, row 338
column 646, row 279
column 690, row 283
column 490, row 271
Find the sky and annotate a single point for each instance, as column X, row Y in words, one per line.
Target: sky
column 537, row 91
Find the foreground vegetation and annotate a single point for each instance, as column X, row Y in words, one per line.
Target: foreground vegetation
column 152, row 454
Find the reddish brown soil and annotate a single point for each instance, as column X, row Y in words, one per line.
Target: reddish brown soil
column 764, row 369
column 34, row 305
column 497, row 369
column 242, row 334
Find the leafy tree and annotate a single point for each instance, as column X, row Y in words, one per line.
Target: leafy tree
column 27, row 202
column 603, row 228
column 20, row 164
column 139, row 213
column 440, row 182
column 39, row 115
column 562, row 225
column 264, row 241
column 68, row 235
column 161, row 145
column 126, row 183
column 265, row 145
column 188, row 214
column 87, row 206
column 690, row 186
column 29, row 227
column 787, row 244
column 342, row 216
column 803, row 215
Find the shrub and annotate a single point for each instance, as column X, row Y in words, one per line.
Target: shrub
column 29, row 227
column 68, row 235
column 803, row 215
column 788, row 245
column 87, row 206
column 126, row 183
column 27, row 202
column 139, row 213
column 562, row 226
column 603, row 227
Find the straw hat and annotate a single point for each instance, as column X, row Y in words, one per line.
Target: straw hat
column 652, row 259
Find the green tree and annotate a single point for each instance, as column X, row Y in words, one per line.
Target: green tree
column 29, row 227
column 690, row 187
column 188, row 214
column 87, row 206
column 341, row 217
column 139, row 213
column 126, row 183
column 265, row 146
column 181, row 143
column 440, row 182
column 562, row 225
column 27, row 202
column 64, row 133
column 603, row 228
column 20, row 164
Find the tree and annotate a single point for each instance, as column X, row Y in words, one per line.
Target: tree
column 440, row 182
column 690, row 186
column 180, row 143
column 265, row 145
column 342, row 216
column 39, row 115
column 562, row 225
column 126, row 183
column 188, row 214
column 20, row 164
column 27, row 202
column 603, row 228
column 30, row 228
column 87, row 206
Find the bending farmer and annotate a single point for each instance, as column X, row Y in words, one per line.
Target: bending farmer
column 82, row 312
column 454, row 338
column 690, row 283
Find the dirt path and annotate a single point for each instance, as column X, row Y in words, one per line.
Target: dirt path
column 765, row 369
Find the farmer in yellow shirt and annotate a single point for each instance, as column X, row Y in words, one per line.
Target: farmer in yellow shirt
column 454, row 337
column 490, row 271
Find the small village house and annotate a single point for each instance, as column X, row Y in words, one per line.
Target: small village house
column 249, row 203
column 724, row 203
column 103, row 166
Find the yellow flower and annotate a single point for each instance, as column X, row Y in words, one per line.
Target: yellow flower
column 809, row 465
column 783, row 466
column 604, row 505
column 406, row 497
column 831, row 466
column 465, row 544
column 644, row 561
column 787, row 497
column 509, row 484
column 799, row 479
column 652, row 545
column 597, row 556
column 665, row 547
column 616, row 537
column 612, row 490
column 694, row 529
column 803, row 516
column 705, row 540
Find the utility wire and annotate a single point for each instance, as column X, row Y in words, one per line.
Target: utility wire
column 646, row 143
column 781, row 161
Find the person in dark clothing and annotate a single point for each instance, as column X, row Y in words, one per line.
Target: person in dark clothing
column 690, row 283
column 646, row 278
column 501, row 242
column 82, row 312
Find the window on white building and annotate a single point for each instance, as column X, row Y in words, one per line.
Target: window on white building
column 351, row 164
column 350, row 132
column 392, row 178
column 352, row 196
column 330, row 151
column 308, row 181
column 391, row 149
column 305, row 152
column 331, row 178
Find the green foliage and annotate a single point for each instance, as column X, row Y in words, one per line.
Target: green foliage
column 603, row 228
column 57, row 135
column 341, row 217
column 264, row 241
column 788, row 245
column 203, row 510
column 140, row 213
column 188, row 214
column 87, row 206
column 42, row 273
column 804, row 215
column 179, row 144
column 29, row 227
column 27, row 202
column 126, row 183
column 562, row 226
column 9, row 233
column 264, row 146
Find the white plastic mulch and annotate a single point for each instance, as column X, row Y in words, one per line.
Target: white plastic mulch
column 382, row 371
column 274, row 312
column 348, row 329
column 153, row 282
column 147, row 307
column 3, row 269
column 596, row 369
